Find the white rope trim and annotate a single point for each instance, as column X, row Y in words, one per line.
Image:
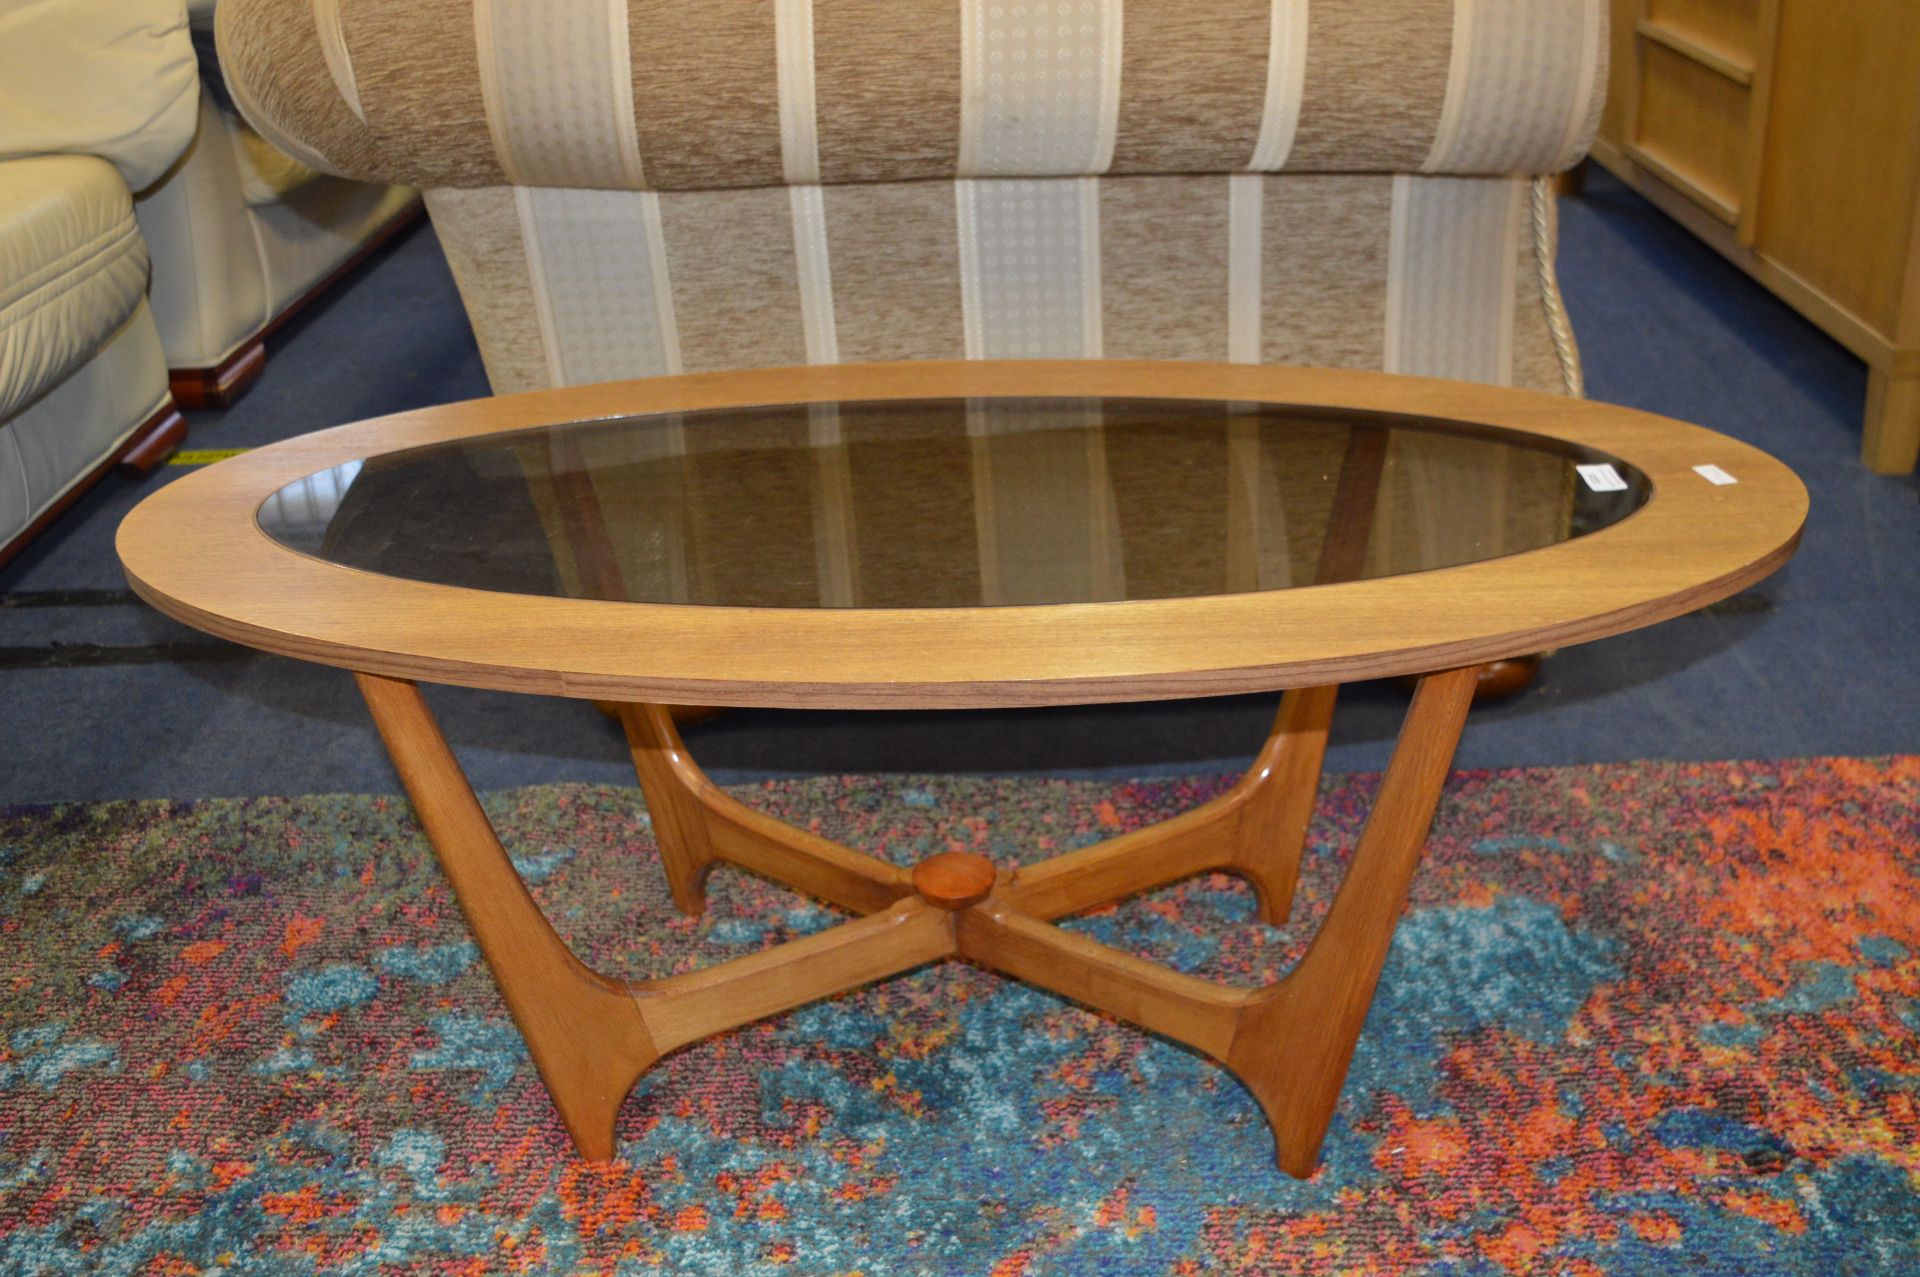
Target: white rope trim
column 1559, row 327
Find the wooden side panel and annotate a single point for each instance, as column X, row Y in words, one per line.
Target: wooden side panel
column 1693, row 123
column 1842, row 153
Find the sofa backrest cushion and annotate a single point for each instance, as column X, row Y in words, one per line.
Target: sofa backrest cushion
column 109, row 78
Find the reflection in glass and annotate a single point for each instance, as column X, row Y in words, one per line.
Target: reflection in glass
column 949, row 503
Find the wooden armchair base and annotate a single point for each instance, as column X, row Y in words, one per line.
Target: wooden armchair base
column 1289, row 1042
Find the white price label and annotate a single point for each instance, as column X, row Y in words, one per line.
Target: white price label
column 1715, row 475
column 1602, row 478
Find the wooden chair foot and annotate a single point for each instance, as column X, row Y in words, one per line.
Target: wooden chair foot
column 196, row 389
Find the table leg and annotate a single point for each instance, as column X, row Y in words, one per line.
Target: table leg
column 1285, row 781
column 584, row 1031
column 1291, row 1043
column 1257, row 829
column 697, row 823
column 1294, row 1042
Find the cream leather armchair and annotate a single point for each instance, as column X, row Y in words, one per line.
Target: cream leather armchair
column 97, row 99
column 242, row 234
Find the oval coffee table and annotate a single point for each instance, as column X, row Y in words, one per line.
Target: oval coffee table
column 960, row 535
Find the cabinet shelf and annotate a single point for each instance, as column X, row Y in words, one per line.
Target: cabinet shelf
column 1688, row 46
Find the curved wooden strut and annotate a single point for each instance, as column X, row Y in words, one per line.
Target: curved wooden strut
column 592, row 1036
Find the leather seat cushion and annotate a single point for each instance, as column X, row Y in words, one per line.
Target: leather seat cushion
column 72, row 269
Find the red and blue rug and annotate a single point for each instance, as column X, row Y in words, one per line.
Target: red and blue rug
column 1641, row 1019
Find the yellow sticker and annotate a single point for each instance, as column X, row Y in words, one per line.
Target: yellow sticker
column 203, row 456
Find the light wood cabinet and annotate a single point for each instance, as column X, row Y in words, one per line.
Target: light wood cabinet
column 1786, row 133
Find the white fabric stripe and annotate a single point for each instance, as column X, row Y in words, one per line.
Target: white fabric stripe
column 1520, row 82
column 963, row 205
column 1391, row 356
column 537, row 275
column 557, row 83
column 1286, row 83
column 1587, row 99
column 1039, row 86
column 816, row 273
column 1112, row 22
column 598, row 264
column 1459, row 58
column 836, row 555
column 1452, row 264
column 620, row 72
column 491, row 96
column 333, row 48
column 1030, row 268
column 1045, row 519
column 663, row 312
column 1092, row 332
column 799, row 129
column 1246, row 199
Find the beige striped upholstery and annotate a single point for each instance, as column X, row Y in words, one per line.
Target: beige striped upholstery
column 634, row 187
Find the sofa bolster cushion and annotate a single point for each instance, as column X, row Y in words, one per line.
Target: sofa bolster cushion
column 672, row 95
column 72, row 269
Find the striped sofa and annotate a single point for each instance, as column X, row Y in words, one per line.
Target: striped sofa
column 627, row 188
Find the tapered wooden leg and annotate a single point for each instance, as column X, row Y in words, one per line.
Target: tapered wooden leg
column 1291, row 1043
column 1891, row 441
column 1294, row 1042
column 1257, row 829
column 1285, row 781
column 667, row 780
column 584, row 1031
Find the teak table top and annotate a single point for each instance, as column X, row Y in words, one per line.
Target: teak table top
column 196, row 551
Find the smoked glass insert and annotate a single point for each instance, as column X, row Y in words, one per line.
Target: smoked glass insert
column 952, row 503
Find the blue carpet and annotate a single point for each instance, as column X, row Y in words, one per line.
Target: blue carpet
column 1817, row 660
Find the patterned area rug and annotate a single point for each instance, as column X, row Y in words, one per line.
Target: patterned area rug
column 1639, row 1019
